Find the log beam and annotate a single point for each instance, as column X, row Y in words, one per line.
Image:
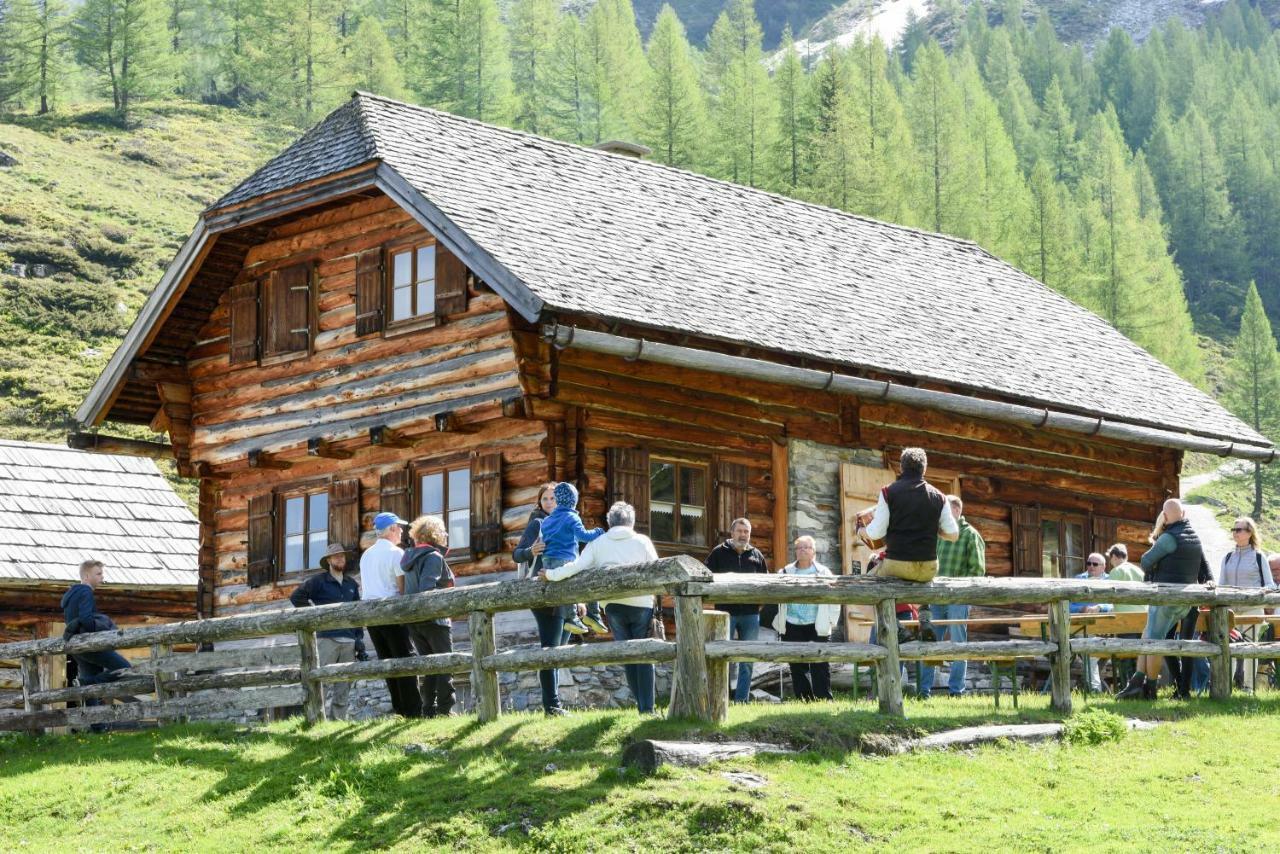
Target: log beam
column 1220, row 634
column 484, row 683
column 647, row 650
column 317, row 447
column 387, row 437
column 715, row 627
column 119, row 445
column 689, row 679
column 265, row 460
column 312, row 691
column 1060, row 659
column 889, row 671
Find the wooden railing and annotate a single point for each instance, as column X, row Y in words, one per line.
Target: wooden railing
column 290, row 676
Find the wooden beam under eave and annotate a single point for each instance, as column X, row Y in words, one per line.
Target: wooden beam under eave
column 324, row 448
column 101, row 444
column 386, row 437
column 158, row 372
column 264, row 460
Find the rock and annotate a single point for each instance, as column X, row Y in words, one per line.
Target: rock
column 565, row 676
column 550, row 768
column 648, row 754
column 759, row 696
column 416, row 749
column 7, row 159
column 745, row 779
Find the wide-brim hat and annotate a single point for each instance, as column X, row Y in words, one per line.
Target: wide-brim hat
column 334, row 549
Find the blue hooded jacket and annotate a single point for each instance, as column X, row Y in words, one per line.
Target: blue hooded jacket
column 563, row 529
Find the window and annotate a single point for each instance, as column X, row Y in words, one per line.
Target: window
column 272, row 319
column 413, row 282
column 678, row 502
column 1062, row 545
column 305, row 534
column 446, row 492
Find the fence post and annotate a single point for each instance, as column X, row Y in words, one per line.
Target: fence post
column 30, row 685
column 484, row 683
column 889, row 670
column 716, row 628
column 1220, row 632
column 158, row 652
column 312, row 690
column 1060, row 661
column 688, row 696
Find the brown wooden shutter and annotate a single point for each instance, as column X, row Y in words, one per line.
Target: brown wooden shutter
column 1026, row 541
column 262, row 541
column 396, row 495
column 369, row 293
column 294, row 285
column 1102, row 530
column 731, row 496
column 244, row 322
column 451, row 283
column 628, row 473
column 486, row 505
column 344, row 517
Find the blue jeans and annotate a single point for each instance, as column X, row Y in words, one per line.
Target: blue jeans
column 955, row 634
column 94, row 668
column 627, row 622
column 550, row 633
column 1162, row 618
column 744, row 627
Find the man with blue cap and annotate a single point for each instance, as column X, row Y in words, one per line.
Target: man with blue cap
column 382, row 578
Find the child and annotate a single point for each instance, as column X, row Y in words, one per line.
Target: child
column 561, row 533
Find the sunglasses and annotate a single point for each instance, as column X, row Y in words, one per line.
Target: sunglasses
column 1094, row 563
column 1239, row 530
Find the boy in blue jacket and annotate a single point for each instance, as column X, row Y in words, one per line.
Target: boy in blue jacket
column 561, row 532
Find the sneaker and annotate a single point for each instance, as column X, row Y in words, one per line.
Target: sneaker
column 574, row 626
column 596, row 624
column 556, row 711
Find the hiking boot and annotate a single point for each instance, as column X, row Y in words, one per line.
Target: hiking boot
column 1136, row 687
column 595, row 623
column 574, row 626
column 1150, row 689
column 556, row 712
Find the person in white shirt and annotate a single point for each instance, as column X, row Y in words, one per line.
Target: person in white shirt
column 629, row 618
column 382, row 578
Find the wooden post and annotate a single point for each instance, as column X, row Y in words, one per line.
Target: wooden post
column 312, row 691
column 688, row 694
column 888, row 671
column 1060, row 661
column 484, row 683
column 30, row 665
column 780, row 473
column 1220, row 633
column 715, row 626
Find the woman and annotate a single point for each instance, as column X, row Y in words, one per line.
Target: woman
column 550, row 620
column 1245, row 566
column 807, row 623
column 426, row 569
column 630, row 618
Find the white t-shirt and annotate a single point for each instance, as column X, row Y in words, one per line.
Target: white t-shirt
column 379, row 568
column 879, row 524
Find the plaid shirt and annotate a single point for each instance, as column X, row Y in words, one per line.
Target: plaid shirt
column 966, row 556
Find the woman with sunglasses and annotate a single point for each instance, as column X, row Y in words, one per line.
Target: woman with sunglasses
column 1245, row 566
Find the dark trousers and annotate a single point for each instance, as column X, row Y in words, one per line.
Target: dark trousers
column 810, row 681
column 627, row 622
column 550, row 633
column 393, row 642
column 94, row 668
column 437, row 691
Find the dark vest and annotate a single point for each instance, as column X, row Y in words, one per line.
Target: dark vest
column 1182, row 566
column 914, row 509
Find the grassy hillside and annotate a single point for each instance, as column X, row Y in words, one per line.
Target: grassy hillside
column 107, row 208
column 528, row 783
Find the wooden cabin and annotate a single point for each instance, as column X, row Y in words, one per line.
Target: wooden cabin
column 59, row 507
column 411, row 311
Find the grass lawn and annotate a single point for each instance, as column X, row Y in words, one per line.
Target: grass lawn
column 1204, row 780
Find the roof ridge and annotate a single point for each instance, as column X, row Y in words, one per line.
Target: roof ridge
column 652, row 164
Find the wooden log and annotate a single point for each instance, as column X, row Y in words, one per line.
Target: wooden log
column 1060, row 659
column 255, row 656
column 312, row 691
column 888, row 671
column 715, row 627
column 646, row 650
column 975, row 650
column 130, row 686
column 726, row 650
column 780, row 477
column 1253, row 650
column 689, row 679
column 1103, row 647
column 967, row 737
column 243, row 679
column 648, row 755
column 192, row 706
column 160, row 677
column 30, row 667
column 390, row 668
column 484, row 683
column 593, row 585
column 119, row 446
column 1220, row 634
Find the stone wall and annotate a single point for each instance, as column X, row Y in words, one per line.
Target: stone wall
column 814, row 489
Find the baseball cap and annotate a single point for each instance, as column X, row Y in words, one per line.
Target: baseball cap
column 385, row 520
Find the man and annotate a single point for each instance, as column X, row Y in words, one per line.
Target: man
column 1122, row 570
column 1095, row 566
column 334, row 645
column 736, row 554
column 81, row 614
column 1175, row 557
column 964, row 557
column 382, row 578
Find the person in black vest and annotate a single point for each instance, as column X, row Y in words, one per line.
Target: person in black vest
column 911, row 516
column 736, row 554
column 1175, row 557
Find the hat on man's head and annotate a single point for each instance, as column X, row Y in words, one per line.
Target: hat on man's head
column 385, row 520
column 334, row 549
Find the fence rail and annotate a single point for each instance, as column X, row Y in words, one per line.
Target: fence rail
column 292, row 675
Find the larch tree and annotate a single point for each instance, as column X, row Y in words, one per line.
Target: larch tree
column 125, row 43
column 674, row 116
column 1253, row 390
column 465, row 67
column 533, row 42
column 794, row 126
column 34, row 36
column 1058, row 143
column 935, row 110
column 742, row 99
column 296, row 60
column 371, row 60
column 884, row 185
column 1054, row 256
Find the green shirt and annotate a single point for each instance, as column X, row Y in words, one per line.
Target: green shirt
column 967, row 556
column 1126, row 572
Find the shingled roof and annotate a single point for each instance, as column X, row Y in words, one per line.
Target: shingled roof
column 592, row 233
column 59, row 507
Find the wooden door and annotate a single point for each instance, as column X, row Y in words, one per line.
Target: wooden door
column 859, row 489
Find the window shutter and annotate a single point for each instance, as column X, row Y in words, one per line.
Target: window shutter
column 486, row 505
column 369, row 292
column 628, row 473
column 262, row 541
column 1026, row 541
column 294, row 284
column 395, row 497
column 731, row 496
column 344, row 517
column 244, row 322
column 451, row 283
column 1103, row 533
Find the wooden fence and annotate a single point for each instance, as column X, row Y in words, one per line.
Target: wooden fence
column 290, row 676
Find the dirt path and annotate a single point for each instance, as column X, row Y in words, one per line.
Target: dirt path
column 1215, row 535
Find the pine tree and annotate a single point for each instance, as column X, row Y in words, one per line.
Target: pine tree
column 235, row 28
column 371, row 61
column 533, row 34
column 572, row 92
column 886, row 177
column 1058, row 134
column 674, row 113
column 627, row 68
column 34, row 35
column 1011, row 94
column 794, row 126
column 1253, row 390
column 465, row 67
column 741, row 95
column 295, row 60
column 124, row 42
column 935, row 111
column 837, row 154
column 1053, row 258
